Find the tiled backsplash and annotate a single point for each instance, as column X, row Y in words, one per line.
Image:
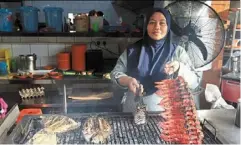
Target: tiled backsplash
column 46, row 53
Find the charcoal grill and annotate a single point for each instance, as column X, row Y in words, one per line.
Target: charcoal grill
column 124, row 131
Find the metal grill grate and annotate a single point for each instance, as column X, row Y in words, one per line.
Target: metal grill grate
column 124, row 131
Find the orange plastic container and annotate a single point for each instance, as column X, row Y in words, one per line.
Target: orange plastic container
column 63, row 60
column 78, row 57
column 24, row 112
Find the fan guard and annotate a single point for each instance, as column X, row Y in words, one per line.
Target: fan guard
column 197, row 28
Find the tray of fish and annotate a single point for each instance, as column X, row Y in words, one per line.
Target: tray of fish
column 43, row 129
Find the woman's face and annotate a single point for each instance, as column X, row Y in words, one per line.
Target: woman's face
column 157, row 26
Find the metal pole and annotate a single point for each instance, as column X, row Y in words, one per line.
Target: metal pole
column 65, row 100
column 234, row 30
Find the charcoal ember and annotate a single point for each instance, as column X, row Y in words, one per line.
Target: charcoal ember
column 181, row 124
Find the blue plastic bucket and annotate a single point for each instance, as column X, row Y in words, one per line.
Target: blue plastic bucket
column 3, row 68
column 54, row 18
column 29, row 17
column 6, row 20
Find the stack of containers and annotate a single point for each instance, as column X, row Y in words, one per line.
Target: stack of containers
column 78, row 57
column 63, row 61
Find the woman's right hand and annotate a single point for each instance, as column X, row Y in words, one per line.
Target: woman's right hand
column 132, row 84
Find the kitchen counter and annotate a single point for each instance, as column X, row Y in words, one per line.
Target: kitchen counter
column 223, row 121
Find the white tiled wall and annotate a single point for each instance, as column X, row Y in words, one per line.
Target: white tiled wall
column 46, row 53
column 19, row 49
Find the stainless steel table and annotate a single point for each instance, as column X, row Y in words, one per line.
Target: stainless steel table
column 223, row 121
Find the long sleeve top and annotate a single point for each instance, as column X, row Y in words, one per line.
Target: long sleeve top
column 186, row 70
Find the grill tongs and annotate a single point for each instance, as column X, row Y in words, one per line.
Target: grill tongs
column 139, row 96
column 140, row 113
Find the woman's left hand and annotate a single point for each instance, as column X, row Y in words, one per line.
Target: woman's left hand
column 171, row 67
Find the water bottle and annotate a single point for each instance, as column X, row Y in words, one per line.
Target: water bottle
column 237, row 117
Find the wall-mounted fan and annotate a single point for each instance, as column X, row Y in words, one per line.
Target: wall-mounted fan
column 197, row 28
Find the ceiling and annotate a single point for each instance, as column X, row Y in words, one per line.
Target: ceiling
column 134, row 5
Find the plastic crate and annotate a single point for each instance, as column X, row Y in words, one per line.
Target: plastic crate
column 32, row 111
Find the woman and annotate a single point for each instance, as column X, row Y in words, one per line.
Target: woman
column 151, row 59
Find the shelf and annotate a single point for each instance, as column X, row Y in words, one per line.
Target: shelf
column 75, row 34
column 110, row 38
column 66, row 79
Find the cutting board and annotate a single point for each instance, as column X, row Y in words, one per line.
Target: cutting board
column 6, row 77
column 99, row 96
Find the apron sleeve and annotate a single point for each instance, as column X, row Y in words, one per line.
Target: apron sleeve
column 120, row 69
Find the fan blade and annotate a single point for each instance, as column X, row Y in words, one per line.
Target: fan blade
column 200, row 45
column 175, row 28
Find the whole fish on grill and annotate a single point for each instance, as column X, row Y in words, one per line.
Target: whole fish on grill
column 182, row 125
column 45, row 128
column 43, row 137
column 96, row 130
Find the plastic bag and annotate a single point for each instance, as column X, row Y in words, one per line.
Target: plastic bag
column 213, row 95
column 3, row 108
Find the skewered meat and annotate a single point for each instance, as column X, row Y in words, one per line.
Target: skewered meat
column 96, row 130
column 181, row 125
